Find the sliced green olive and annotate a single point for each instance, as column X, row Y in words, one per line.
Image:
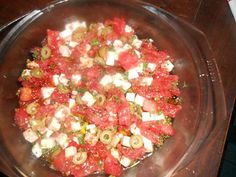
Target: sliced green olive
column 37, row 72
column 107, row 30
column 115, row 141
column 106, row 136
column 103, row 52
column 100, row 99
column 45, row 52
column 78, row 100
column 79, row 158
column 136, row 141
column 32, row 108
column 63, row 89
column 99, row 60
column 95, row 42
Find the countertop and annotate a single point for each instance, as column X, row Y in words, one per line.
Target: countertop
column 215, row 19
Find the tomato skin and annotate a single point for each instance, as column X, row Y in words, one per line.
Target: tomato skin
column 124, row 115
column 25, row 94
column 21, row 118
column 112, row 166
column 118, row 25
column 128, row 60
column 149, row 106
column 60, row 97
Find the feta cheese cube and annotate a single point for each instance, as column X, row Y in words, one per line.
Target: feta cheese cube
column 47, row 143
column 168, row 65
column 71, row 103
column 73, row 44
column 126, row 141
column 55, row 79
column 118, row 82
column 117, row 76
column 70, row 151
column 111, row 58
column 117, row 43
column 132, row 74
column 126, row 85
column 91, row 128
column 151, row 66
column 115, row 153
column 88, row 99
column 26, row 73
column 61, row 113
column 32, row 65
column 130, row 96
column 47, row 92
column 88, row 47
column 157, row 117
column 63, row 80
column 146, row 116
column 75, row 78
column 147, row 144
column 66, row 33
column 137, row 43
column 75, row 126
column 64, row 51
column 139, row 100
column 135, row 130
column 54, row 125
column 107, row 79
column 61, row 139
column 36, row 150
column 75, row 139
column 125, row 161
column 48, row 133
column 30, row 135
column 128, row 29
column 146, row 81
column 75, row 24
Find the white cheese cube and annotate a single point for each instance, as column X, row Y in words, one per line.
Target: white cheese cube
column 126, row 85
column 151, row 66
column 139, row 100
column 26, row 73
column 71, row 103
column 63, row 80
column 147, row 144
column 54, row 125
column 74, row 92
column 115, row 153
column 88, row 47
column 157, row 117
column 128, row 29
column 135, row 130
column 47, row 92
column 168, row 65
column 91, row 128
column 55, row 79
column 133, row 74
column 64, row 51
column 130, row 96
column 146, row 81
column 36, row 150
column 146, row 116
column 75, row 24
column 117, row 76
column 70, row 151
column 47, row 143
column 88, row 99
column 75, row 126
column 107, row 79
column 73, row 44
column 125, row 161
column 66, row 33
column 111, row 58
column 32, row 65
column 75, row 139
column 61, row 113
column 117, row 43
column 126, row 141
column 30, row 135
column 61, row 139
column 118, row 82
column 48, row 133
column 137, row 43
column 75, row 78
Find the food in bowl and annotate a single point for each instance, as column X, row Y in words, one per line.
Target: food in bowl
column 97, row 98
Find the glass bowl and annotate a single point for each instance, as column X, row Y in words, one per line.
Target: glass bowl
column 200, row 84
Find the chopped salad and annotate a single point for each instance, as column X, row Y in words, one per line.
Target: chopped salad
column 97, row 98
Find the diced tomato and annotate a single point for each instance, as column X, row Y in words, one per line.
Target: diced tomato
column 25, row 94
column 131, row 153
column 149, row 105
column 53, row 39
column 60, row 97
column 118, row 25
column 128, row 60
column 124, row 115
column 21, row 118
column 60, row 162
column 112, row 166
column 93, row 72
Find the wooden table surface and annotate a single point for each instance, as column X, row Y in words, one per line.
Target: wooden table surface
column 215, row 19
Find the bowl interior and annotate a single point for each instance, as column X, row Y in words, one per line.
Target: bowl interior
column 148, row 25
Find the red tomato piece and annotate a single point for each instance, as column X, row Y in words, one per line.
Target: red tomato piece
column 25, row 94
column 124, row 115
column 112, row 166
column 128, row 60
column 118, row 25
column 149, row 105
column 21, row 118
column 131, row 153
